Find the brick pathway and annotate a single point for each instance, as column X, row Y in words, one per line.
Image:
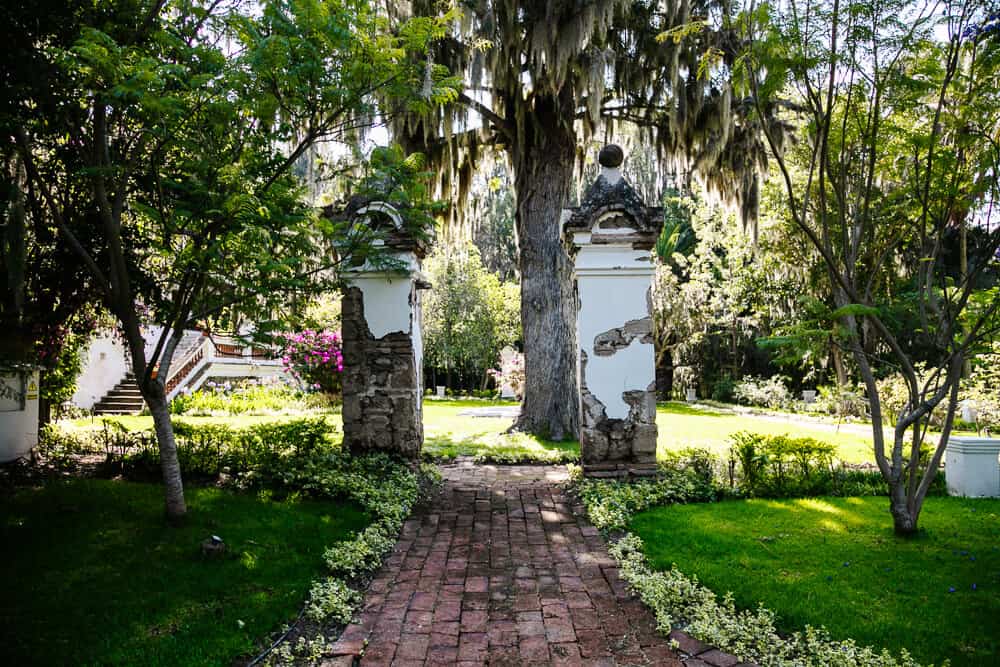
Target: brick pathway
column 501, row 570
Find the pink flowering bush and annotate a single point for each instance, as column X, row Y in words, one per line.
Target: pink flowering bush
column 315, row 359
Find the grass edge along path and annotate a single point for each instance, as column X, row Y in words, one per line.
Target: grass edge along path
column 680, row 602
column 835, row 562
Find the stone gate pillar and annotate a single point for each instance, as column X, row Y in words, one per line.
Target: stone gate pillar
column 609, row 237
column 383, row 349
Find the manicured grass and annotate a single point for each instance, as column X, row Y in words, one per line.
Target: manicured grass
column 447, row 434
column 681, row 425
column 93, row 575
column 836, row 562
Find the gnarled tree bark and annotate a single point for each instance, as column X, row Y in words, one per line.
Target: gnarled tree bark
column 543, row 161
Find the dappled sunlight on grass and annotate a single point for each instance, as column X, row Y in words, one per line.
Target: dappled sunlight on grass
column 836, row 562
column 682, row 425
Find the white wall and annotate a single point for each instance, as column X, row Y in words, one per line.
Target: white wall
column 612, row 283
column 104, row 366
column 387, row 297
column 19, row 426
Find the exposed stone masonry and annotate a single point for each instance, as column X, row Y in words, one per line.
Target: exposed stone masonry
column 609, row 237
column 617, row 447
column 382, row 406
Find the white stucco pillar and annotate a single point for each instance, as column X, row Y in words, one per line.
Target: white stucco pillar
column 18, row 413
column 383, row 343
column 610, row 236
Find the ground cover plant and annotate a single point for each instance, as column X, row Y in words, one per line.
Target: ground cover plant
column 679, row 601
column 834, row 562
column 94, row 576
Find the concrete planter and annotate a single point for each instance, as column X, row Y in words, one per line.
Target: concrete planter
column 691, row 396
column 809, row 396
column 972, row 468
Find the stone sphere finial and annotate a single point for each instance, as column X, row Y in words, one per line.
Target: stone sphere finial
column 611, row 156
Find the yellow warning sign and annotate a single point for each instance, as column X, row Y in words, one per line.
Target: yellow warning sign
column 32, row 392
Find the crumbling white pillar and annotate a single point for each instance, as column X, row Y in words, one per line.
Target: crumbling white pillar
column 382, row 343
column 610, row 236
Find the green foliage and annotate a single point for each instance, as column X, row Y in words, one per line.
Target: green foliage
column 685, row 477
column 842, row 401
column 677, row 235
column 768, row 393
column 332, row 599
column 58, row 381
column 241, row 398
column 772, row 466
column 982, row 389
column 470, row 315
column 240, row 456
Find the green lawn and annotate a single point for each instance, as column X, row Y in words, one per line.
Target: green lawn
column 836, row 562
column 681, row 425
column 448, row 435
column 93, row 575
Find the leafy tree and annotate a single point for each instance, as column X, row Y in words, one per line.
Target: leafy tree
column 169, row 115
column 469, row 315
column 543, row 79
column 898, row 144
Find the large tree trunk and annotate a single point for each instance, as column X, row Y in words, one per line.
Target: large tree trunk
column 665, row 375
column 543, row 159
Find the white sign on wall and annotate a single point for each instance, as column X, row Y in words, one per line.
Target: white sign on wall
column 12, row 392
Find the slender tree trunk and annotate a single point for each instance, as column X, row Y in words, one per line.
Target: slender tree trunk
column 838, row 366
column 154, row 392
column 665, row 375
column 904, row 522
column 156, row 399
column 543, row 159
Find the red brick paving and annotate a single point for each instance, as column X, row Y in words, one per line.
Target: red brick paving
column 502, row 570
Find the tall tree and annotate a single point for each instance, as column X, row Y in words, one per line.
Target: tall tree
column 46, row 288
column 541, row 79
column 171, row 117
column 900, row 137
